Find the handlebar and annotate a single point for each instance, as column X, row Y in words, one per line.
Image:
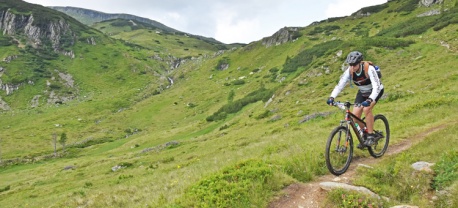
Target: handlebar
column 342, row 105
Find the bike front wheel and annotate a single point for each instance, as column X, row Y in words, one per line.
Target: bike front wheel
column 339, row 150
column 382, row 139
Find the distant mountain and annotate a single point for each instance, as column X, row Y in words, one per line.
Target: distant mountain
column 89, row 17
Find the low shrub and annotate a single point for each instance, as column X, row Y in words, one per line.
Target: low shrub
column 5, row 189
column 304, row 58
column 348, row 199
column 446, row 170
column 245, row 184
column 235, row 106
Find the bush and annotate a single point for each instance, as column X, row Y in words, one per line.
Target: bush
column 415, row 26
column 5, row 41
column 265, row 114
column 352, row 199
column 222, row 63
column 120, row 23
column 327, row 29
column 5, row 189
column 274, row 70
column 448, row 18
column 304, row 58
column 235, row 106
column 386, row 42
column 408, row 6
column 238, row 82
column 446, row 170
column 239, row 185
column 90, row 142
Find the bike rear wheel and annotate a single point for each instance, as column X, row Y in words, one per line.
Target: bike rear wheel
column 382, row 131
column 339, row 150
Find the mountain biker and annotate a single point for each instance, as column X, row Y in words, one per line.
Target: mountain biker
column 370, row 90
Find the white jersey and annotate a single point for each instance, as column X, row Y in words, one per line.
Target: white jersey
column 365, row 84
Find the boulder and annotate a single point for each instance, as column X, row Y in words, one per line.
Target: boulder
column 328, row 186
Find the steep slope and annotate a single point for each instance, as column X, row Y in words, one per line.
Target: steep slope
column 176, row 44
column 50, row 60
column 212, row 138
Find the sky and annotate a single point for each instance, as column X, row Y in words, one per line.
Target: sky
column 228, row 21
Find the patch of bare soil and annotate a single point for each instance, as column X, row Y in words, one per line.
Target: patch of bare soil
column 310, row 195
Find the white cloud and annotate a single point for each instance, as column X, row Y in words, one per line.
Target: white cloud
column 241, row 21
column 230, row 31
column 347, row 7
column 342, row 8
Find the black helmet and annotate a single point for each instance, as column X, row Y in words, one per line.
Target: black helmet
column 354, row 57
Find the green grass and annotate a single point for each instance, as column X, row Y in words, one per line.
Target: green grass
column 394, row 178
column 161, row 42
column 244, row 156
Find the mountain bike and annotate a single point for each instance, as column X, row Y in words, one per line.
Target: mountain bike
column 339, row 147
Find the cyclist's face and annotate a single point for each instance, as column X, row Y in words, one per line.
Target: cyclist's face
column 354, row 67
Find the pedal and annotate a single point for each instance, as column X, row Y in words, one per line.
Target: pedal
column 361, row 146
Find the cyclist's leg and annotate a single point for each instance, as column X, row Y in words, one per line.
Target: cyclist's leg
column 369, row 118
column 358, row 109
column 369, row 115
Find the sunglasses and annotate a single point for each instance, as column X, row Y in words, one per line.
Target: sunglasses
column 353, row 64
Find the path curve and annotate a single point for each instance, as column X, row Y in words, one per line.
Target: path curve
column 310, row 195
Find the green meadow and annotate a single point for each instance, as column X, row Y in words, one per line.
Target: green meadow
column 226, row 138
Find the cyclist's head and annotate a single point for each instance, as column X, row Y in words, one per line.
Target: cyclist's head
column 354, row 57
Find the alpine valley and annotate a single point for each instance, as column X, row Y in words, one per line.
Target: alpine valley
column 116, row 110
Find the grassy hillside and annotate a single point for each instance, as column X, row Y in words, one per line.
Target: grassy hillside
column 170, row 43
column 170, row 153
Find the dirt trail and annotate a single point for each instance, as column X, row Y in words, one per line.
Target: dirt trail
column 310, row 195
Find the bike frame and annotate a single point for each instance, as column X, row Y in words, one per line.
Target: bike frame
column 350, row 120
column 342, row 151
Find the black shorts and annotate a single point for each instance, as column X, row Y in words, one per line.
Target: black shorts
column 361, row 98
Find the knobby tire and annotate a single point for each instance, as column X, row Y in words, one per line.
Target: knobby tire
column 337, row 151
column 382, row 127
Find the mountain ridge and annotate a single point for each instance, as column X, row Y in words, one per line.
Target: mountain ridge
column 89, row 17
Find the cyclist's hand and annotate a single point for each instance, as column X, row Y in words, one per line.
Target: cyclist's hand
column 330, row 101
column 367, row 103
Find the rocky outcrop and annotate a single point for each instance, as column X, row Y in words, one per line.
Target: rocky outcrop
column 70, row 54
column 8, row 59
column 91, row 41
column 428, row 3
column 4, row 105
column 35, row 101
column 21, row 24
column 9, row 88
column 175, row 62
column 430, row 13
column 328, row 186
column 54, row 98
column 67, row 78
column 282, row 36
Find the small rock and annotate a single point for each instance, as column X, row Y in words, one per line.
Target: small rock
column 334, row 185
column 364, row 166
column 423, row 166
column 116, row 168
column 70, row 167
